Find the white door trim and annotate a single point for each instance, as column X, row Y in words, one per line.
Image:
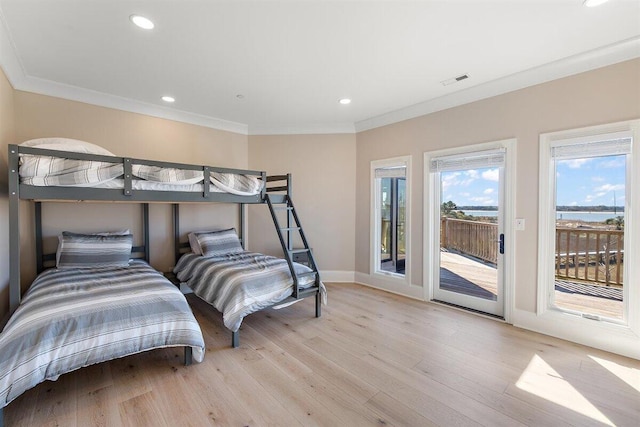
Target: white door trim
column 431, row 245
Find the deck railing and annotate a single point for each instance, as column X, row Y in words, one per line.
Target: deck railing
column 475, row 238
column 590, row 255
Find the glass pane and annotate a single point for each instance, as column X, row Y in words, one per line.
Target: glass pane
column 385, row 220
column 401, row 208
column 589, row 235
column 469, row 232
column 392, row 224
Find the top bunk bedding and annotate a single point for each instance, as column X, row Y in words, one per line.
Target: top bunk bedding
column 93, row 169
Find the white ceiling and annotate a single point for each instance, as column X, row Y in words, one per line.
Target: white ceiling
column 293, row 60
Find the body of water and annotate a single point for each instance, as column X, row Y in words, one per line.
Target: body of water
column 588, row 216
column 571, row 216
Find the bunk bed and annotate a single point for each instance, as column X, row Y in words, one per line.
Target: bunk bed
column 59, row 170
column 237, row 282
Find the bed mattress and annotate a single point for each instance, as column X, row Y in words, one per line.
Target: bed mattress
column 71, row 318
column 240, row 284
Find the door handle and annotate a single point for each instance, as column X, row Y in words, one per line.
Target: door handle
column 501, row 243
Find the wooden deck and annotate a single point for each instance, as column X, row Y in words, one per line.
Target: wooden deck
column 468, row 276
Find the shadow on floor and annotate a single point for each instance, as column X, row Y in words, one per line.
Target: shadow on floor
column 453, row 282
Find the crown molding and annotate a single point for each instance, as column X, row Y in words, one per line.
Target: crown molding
column 74, row 93
column 310, row 129
column 586, row 61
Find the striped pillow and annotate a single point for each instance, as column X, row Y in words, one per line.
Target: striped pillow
column 93, row 250
column 219, row 243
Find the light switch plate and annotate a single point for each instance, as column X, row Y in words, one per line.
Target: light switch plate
column 519, row 224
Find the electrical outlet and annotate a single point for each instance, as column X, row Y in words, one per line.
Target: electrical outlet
column 519, row 224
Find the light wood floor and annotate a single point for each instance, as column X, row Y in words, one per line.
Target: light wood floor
column 373, row 358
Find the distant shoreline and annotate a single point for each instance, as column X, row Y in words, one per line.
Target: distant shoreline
column 621, row 213
column 559, row 209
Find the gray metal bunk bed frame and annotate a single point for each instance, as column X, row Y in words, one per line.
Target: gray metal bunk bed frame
column 275, row 196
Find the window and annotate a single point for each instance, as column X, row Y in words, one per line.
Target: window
column 390, row 213
column 586, row 192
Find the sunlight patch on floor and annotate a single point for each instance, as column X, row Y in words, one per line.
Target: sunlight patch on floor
column 631, row 376
column 540, row 379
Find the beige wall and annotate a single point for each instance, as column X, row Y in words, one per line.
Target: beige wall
column 127, row 134
column 323, row 193
column 602, row 96
column 7, row 135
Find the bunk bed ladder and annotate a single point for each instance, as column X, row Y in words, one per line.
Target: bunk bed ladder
column 285, row 235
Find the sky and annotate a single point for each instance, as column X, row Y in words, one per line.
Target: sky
column 591, row 181
column 473, row 187
column 580, row 182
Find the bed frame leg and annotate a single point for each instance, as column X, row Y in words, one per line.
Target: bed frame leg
column 318, row 304
column 235, row 339
column 188, row 357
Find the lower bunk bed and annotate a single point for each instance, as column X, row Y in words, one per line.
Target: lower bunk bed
column 85, row 312
column 237, row 282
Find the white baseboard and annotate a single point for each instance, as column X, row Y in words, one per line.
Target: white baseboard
column 601, row 335
column 337, row 276
column 390, row 285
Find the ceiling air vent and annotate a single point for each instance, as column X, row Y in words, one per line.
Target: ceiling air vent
column 454, row 80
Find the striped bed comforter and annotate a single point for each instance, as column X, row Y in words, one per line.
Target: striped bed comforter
column 239, row 284
column 59, row 171
column 73, row 318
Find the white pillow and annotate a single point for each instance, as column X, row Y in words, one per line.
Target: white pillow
column 193, row 242
column 219, row 243
column 66, row 144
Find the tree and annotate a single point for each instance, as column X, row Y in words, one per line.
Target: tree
column 617, row 221
column 447, row 207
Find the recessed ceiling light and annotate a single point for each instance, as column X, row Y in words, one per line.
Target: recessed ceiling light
column 594, row 3
column 345, row 101
column 168, row 99
column 142, row 22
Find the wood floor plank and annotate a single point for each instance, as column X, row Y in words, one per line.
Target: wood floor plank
column 373, row 358
column 142, row 410
column 388, row 408
column 428, row 396
column 225, row 368
column 291, row 395
column 341, row 403
column 56, row 403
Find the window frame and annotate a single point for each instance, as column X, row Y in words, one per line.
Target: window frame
column 375, row 232
column 579, row 328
